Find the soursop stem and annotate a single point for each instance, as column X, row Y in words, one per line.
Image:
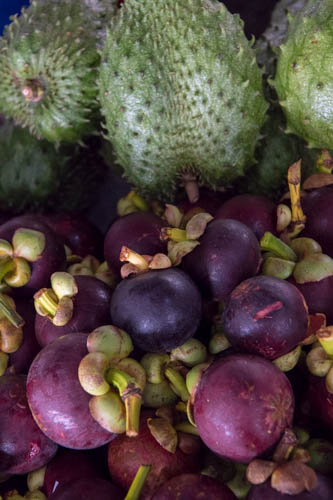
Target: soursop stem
column 33, row 91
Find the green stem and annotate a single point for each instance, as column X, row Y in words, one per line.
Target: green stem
column 10, row 313
column 178, row 382
column 135, row 489
column 47, row 302
column 271, row 243
column 187, row 427
column 7, row 267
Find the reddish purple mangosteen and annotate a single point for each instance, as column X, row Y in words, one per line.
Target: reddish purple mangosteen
column 20, row 360
column 88, row 489
column 323, row 491
column 139, row 231
column 255, row 211
column 34, row 253
column 228, row 253
column 193, row 487
column 266, row 316
column 71, row 465
column 57, row 401
column 91, row 308
column 242, row 405
column 78, row 233
column 23, row 446
column 126, row 454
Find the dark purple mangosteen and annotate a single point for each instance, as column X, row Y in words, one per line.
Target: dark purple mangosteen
column 126, row 454
column 323, row 491
column 20, row 360
column 139, row 231
column 160, row 309
column 57, row 401
column 209, row 201
column 78, row 233
column 23, row 446
column 318, row 208
column 193, row 487
column 228, row 253
column 242, row 405
column 266, row 316
column 34, row 253
column 71, row 465
column 91, row 308
column 255, row 211
column 88, row 489
column 320, row 401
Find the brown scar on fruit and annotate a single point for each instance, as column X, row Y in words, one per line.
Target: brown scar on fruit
column 263, row 313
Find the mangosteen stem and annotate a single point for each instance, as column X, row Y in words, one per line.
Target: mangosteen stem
column 173, row 234
column 325, row 337
column 325, row 162
column 271, row 243
column 294, row 182
column 187, row 428
column 128, row 255
column 131, row 394
column 177, row 383
column 46, row 302
column 134, row 491
column 10, row 313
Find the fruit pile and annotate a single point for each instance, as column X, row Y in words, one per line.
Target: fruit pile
column 182, row 347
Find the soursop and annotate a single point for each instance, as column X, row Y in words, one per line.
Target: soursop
column 304, row 74
column 49, row 59
column 37, row 176
column 181, row 93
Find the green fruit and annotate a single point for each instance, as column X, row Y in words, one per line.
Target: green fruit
column 275, row 153
column 35, row 176
column 49, row 64
column 304, row 75
column 181, row 93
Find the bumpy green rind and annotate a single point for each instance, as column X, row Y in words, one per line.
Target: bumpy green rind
column 275, row 153
column 304, row 75
column 35, row 176
column 53, row 44
column 181, row 93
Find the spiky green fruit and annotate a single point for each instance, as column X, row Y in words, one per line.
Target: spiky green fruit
column 304, row 75
column 275, row 153
column 35, row 176
column 181, row 93
column 49, row 64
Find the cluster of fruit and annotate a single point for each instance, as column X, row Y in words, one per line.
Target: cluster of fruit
column 187, row 351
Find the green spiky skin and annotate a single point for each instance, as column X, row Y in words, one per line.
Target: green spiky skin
column 275, row 153
column 52, row 45
column 181, row 93
column 304, row 74
column 36, row 177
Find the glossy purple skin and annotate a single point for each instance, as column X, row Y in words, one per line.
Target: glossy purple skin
column 318, row 296
column 193, row 487
column 228, row 253
column 318, row 208
column 88, row 489
column 52, row 259
column 256, row 211
column 320, row 401
column 68, row 466
column 242, row 406
column 23, row 446
column 159, row 309
column 79, row 234
column 266, row 316
column 20, row 361
column 91, row 309
column 139, row 231
column 56, row 398
column 323, row 491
